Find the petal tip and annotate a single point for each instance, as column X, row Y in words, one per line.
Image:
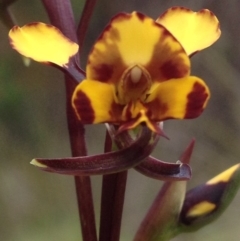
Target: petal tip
column 36, row 163
column 224, row 176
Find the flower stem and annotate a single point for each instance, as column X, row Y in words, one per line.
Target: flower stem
column 84, row 21
column 113, row 193
column 85, row 207
column 61, row 15
column 82, row 183
column 7, row 17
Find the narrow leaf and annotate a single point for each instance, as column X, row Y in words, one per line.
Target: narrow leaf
column 160, row 170
column 104, row 163
column 160, row 221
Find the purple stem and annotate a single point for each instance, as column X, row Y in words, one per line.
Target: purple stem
column 82, row 183
column 113, row 193
column 61, row 15
column 7, row 17
column 84, row 21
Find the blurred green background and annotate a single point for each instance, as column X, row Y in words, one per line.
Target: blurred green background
column 39, row 206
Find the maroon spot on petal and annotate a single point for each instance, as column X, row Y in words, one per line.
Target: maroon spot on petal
column 196, row 100
column 128, row 111
column 103, row 72
column 156, row 109
column 140, row 16
column 84, row 108
column 116, row 112
column 174, row 69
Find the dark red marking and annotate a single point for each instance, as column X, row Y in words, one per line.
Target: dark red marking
column 196, row 100
column 174, row 69
column 116, row 112
column 103, row 72
column 141, row 16
column 84, row 108
column 154, row 108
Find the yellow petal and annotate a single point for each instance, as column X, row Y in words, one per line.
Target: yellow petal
column 194, row 30
column 43, row 43
column 136, row 40
column 224, row 176
column 201, row 209
column 94, row 102
column 183, row 98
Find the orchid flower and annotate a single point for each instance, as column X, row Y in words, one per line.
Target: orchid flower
column 138, row 71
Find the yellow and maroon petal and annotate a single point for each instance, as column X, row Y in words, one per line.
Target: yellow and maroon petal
column 94, row 102
column 183, row 98
column 194, row 30
column 42, row 43
column 135, row 39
